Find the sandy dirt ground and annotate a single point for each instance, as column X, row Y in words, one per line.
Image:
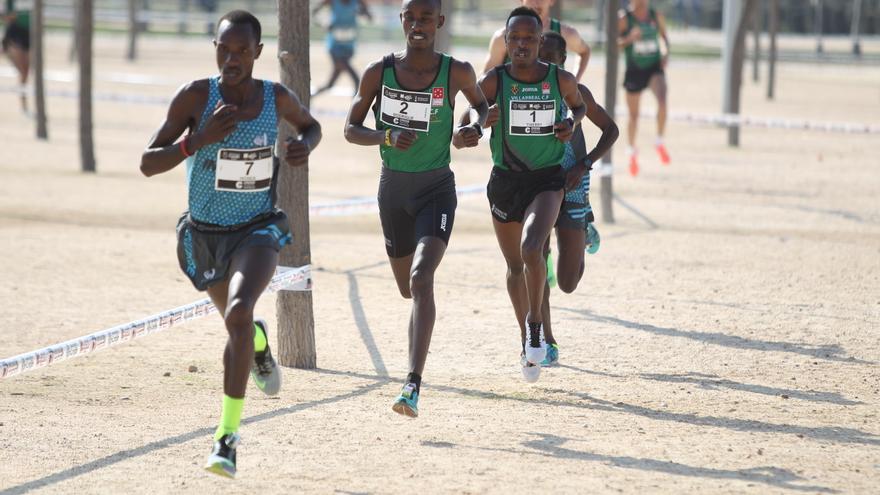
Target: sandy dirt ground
column 724, row 340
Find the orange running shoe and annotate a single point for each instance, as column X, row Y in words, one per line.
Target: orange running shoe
column 664, row 155
column 633, row 165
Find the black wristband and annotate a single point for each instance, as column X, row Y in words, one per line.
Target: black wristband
column 477, row 127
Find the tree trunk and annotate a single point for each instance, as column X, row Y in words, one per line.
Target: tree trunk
column 772, row 29
column 612, row 55
column 854, row 28
column 133, row 29
column 39, row 80
column 443, row 41
column 756, row 41
column 84, row 49
column 818, row 26
column 738, row 57
column 296, row 323
column 600, row 22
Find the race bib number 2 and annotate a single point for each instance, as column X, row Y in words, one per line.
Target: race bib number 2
column 532, row 118
column 406, row 109
column 244, row 170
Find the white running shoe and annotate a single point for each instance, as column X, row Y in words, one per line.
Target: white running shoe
column 531, row 372
column 536, row 347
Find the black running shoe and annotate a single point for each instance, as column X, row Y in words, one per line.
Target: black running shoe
column 264, row 370
column 222, row 458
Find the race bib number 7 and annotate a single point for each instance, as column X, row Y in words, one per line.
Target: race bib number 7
column 244, row 170
column 532, row 118
column 406, row 109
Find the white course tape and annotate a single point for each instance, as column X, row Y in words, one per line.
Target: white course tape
column 298, row 278
column 726, row 120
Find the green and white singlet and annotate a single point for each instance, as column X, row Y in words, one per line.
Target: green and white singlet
column 427, row 111
column 523, row 138
column 644, row 53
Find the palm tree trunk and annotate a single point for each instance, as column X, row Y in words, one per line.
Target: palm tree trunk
column 772, row 28
column 133, row 29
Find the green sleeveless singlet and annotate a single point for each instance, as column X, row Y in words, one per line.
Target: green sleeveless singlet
column 644, row 53
column 428, row 112
column 523, row 137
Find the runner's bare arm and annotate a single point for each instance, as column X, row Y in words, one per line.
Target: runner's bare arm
column 576, row 44
column 355, row 130
column 487, row 86
column 321, row 5
column 465, row 80
column 634, row 34
column 600, row 118
column 163, row 153
column 661, row 27
column 292, row 111
column 571, row 95
column 497, row 51
column 364, row 11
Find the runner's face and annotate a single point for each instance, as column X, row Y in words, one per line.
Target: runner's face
column 542, row 7
column 420, row 19
column 550, row 52
column 237, row 49
column 523, row 40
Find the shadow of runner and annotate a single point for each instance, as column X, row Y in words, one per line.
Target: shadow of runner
column 360, row 319
column 551, row 445
column 124, row 455
column 831, row 352
column 582, row 400
column 713, row 382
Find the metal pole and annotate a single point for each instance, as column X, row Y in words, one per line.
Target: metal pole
column 819, row 47
column 611, row 51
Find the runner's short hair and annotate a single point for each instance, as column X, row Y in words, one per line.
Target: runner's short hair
column 557, row 41
column 524, row 12
column 241, row 17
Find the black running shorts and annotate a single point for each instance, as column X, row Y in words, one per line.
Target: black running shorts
column 205, row 251
column 413, row 205
column 510, row 193
column 636, row 79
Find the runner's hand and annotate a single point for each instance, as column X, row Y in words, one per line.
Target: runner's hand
column 493, row 116
column 297, row 152
column 635, row 34
column 574, row 175
column 563, row 130
column 220, row 124
column 465, row 137
column 402, row 139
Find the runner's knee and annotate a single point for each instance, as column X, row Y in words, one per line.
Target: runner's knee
column 239, row 317
column 421, row 283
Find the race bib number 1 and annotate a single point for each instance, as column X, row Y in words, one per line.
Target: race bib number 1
column 646, row 47
column 244, row 170
column 406, row 109
column 532, row 118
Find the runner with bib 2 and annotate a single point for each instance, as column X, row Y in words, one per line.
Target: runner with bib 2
column 412, row 94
